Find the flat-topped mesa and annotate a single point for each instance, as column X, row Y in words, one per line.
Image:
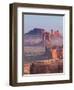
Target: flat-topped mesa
column 36, row 31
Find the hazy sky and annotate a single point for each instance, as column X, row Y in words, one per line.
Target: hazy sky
column 43, row 21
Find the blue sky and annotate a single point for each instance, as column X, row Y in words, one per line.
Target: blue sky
column 46, row 22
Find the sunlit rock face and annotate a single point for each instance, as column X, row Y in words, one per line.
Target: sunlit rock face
column 46, row 66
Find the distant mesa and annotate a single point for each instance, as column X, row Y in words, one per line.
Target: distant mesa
column 35, row 31
column 34, row 37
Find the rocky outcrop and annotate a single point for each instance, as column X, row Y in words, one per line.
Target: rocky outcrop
column 46, row 66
